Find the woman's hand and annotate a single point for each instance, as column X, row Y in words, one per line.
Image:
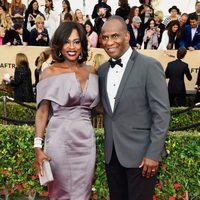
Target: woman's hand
column 40, row 157
column 39, row 37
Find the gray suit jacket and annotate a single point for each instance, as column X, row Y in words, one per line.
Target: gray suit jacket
column 137, row 127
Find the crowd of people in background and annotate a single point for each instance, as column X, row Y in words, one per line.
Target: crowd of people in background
column 148, row 28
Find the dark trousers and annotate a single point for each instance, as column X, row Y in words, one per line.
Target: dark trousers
column 128, row 183
column 177, row 100
column 197, row 97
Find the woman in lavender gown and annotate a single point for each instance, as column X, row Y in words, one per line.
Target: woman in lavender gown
column 66, row 94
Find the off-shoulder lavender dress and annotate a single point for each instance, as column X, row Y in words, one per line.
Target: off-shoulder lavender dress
column 70, row 140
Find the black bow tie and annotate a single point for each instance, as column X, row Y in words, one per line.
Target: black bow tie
column 116, row 62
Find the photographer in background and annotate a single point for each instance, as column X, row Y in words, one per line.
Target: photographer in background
column 103, row 15
column 39, row 35
column 146, row 12
column 98, row 5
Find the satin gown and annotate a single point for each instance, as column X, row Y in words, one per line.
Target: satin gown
column 70, row 139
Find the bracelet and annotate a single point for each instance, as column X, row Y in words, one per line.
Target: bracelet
column 38, row 138
column 38, row 142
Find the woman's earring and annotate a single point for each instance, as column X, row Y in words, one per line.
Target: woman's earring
column 60, row 54
column 80, row 56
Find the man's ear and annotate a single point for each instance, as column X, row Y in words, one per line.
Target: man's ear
column 127, row 36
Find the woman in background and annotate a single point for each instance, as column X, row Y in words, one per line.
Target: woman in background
column 51, row 18
column 46, row 59
column 158, row 17
column 5, row 4
column 171, row 37
column 2, row 35
column 39, row 35
column 134, row 11
column 145, row 12
column 91, row 34
column 78, row 17
column 31, row 14
column 150, row 40
column 123, row 10
column 3, row 22
column 174, row 15
column 9, row 32
column 17, row 11
column 98, row 60
column 66, row 9
column 22, row 82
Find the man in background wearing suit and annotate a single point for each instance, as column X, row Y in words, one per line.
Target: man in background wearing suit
column 197, row 11
column 136, row 115
column 136, row 33
column 175, row 71
column 190, row 36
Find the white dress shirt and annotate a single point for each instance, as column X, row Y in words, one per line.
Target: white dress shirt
column 114, row 77
column 135, row 31
column 193, row 31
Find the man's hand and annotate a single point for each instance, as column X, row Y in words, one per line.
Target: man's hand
column 149, row 166
column 191, row 48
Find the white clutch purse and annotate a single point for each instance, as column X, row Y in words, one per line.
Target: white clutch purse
column 47, row 174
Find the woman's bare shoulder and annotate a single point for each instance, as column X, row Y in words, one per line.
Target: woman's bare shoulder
column 91, row 69
column 49, row 71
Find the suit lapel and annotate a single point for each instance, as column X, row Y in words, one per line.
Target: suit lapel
column 105, row 94
column 196, row 33
column 129, row 67
column 190, row 35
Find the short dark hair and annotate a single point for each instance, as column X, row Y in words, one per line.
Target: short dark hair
column 120, row 19
column 143, row 1
column 193, row 16
column 197, row 2
column 181, row 52
column 184, row 14
column 61, row 36
column 18, row 26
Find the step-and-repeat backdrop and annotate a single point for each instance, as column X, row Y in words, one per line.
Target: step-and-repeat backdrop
column 8, row 54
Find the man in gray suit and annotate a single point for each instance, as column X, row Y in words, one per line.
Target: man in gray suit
column 136, row 115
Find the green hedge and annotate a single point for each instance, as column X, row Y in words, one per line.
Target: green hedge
column 178, row 177
column 186, row 118
column 17, row 111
